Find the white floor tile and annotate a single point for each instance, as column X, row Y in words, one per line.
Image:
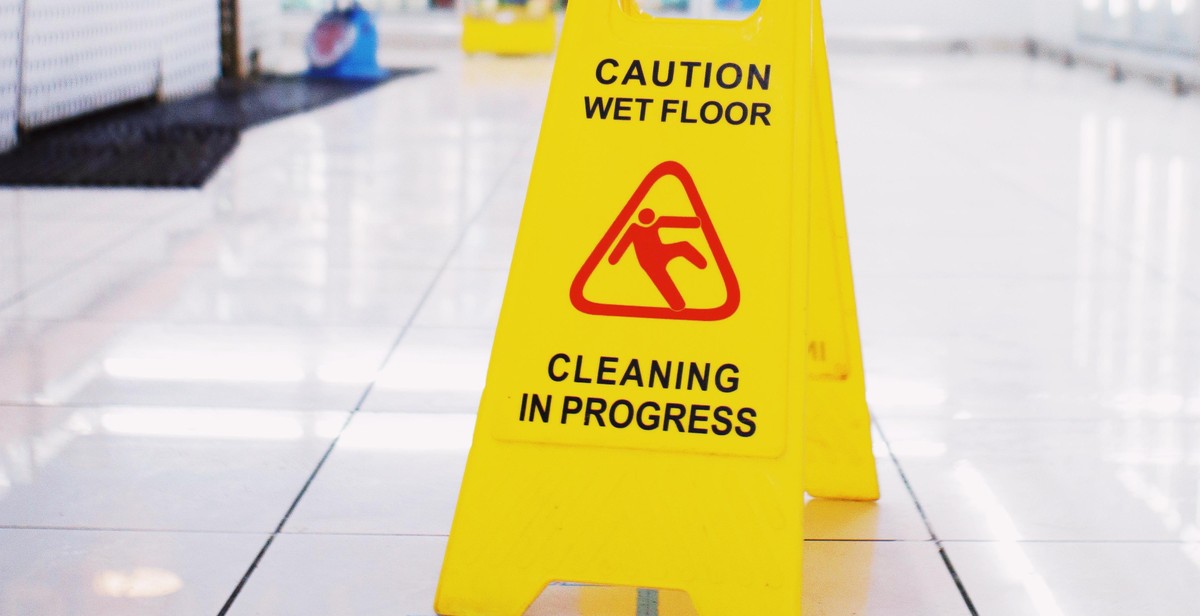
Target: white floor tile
column 1100, row 579
column 339, row 575
column 106, row 573
column 1080, row 311
column 335, row 575
column 434, row 370
column 109, row 205
column 486, row 245
column 996, row 256
column 465, row 298
column 1028, row 348
column 280, row 296
column 297, row 240
column 37, row 239
column 391, row 474
column 877, row 579
column 233, row 470
column 84, row 363
column 893, row 518
column 1074, row 480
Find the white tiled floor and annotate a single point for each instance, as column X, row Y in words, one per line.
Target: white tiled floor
column 120, row 572
column 175, row 365
column 391, row 474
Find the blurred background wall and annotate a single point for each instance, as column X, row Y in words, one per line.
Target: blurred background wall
column 1165, row 27
column 1158, row 26
column 62, row 58
column 10, row 26
column 916, row 20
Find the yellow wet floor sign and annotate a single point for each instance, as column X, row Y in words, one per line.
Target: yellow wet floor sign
column 838, row 459
column 508, row 28
column 667, row 323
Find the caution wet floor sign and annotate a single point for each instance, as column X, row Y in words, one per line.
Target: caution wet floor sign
column 670, row 341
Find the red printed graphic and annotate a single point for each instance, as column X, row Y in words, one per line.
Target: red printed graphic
column 330, row 40
column 642, row 239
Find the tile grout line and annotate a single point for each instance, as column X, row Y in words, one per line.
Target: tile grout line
column 237, row 590
column 958, row 583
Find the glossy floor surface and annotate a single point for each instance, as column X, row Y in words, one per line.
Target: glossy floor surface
column 257, row 398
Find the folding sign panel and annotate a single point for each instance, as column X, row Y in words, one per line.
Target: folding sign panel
column 643, row 423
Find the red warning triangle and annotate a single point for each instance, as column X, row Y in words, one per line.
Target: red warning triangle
column 640, row 240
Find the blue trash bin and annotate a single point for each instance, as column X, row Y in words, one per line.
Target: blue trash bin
column 344, row 45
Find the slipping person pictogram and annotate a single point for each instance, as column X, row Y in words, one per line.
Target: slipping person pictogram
column 639, row 227
column 655, row 256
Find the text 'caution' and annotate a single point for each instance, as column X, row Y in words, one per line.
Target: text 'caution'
column 671, row 74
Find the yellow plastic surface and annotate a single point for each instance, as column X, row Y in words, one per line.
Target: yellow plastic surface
column 509, row 31
column 657, row 230
column 839, row 462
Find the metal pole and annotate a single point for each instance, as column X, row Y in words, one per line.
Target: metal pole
column 231, row 40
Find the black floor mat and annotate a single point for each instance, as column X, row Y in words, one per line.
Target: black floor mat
column 175, row 144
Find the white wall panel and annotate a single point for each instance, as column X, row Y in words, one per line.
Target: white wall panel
column 10, row 25
column 929, row 19
column 1092, row 19
column 1162, row 35
column 1176, row 24
column 1151, row 26
column 83, row 55
column 1057, row 22
column 1191, row 24
column 261, row 29
column 191, row 48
